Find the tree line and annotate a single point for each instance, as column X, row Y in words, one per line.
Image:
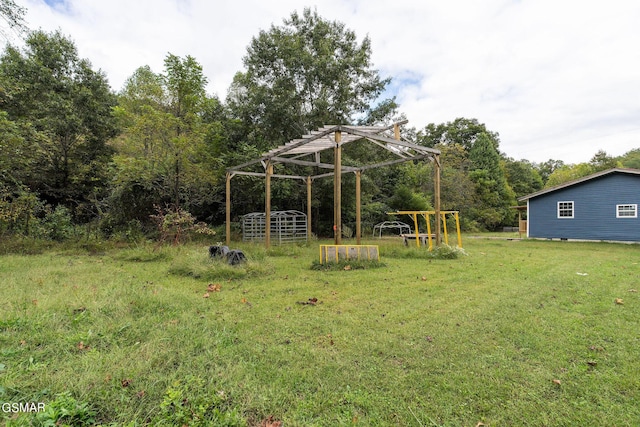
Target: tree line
column 75, row 154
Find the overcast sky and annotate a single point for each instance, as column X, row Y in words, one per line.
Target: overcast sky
column 557, row 79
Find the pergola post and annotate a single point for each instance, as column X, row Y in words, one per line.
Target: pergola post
column 267, row 204
column 358, row 208
column 337, row 190
column 228, row 209
column 436, row 195
column 308, row 208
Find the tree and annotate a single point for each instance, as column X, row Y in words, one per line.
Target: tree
column 492, row 188
column 631, row 159
column 302, row 75
column 13, row 17
column 167, row 151
column 64, row 110
column 522, row 177
column 461, row 131
column 545, row 169
column 568, row 173
column 473, row 178
column 602, row 161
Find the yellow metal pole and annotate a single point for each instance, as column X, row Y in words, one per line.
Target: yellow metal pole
column 415, row 224
column 428, row 230
column 458, row 229
column 228, row 209
column 444, row 225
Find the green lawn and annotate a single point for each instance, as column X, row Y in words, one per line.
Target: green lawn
column 514, row 333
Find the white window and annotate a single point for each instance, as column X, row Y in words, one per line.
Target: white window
column 565, row 209
column 626, row 211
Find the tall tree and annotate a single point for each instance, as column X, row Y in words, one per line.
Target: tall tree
column 167, row 151
column 631, row 159
column 602, row 161
column 66, row 108
column 492, row 188
column 461, row 131
column 522, row 176
column 304, row 74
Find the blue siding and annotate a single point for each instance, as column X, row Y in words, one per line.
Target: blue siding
column 594, row 210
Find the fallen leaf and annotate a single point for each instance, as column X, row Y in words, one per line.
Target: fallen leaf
column 125, row 382
column 592, row 363
column 206, row 295
column 557, row 382
column 214, row 287
column 429, row 338
column 34, row 302
column 82, row 346
column 633, row 290
column 480, row 424
column 619, row 301
column 270, row 422
column 140, row 394
column 310, row 301
column 424, row 278
column 347, row 267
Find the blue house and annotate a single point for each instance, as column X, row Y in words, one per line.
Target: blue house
column 602, row 206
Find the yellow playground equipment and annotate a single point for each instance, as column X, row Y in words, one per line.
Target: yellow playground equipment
column 429, row 237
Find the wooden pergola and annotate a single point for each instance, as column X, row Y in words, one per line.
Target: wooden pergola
column 306, row 150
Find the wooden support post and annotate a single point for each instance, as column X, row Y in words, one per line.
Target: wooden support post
column 267, row 204
column 337, row 189
column 228, row 209
column 308, row 208
column 436, row 195
column 358, row 208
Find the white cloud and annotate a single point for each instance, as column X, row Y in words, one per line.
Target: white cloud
column 556, row 79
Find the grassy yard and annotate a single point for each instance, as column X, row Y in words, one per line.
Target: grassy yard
column 514, row 333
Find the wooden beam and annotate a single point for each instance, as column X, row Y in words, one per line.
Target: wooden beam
column 358, row 208
column 392, row 141
column 436, row 195
column 275, row 175
column 309, row 180
column 337, row 189
column 228, row 209
column 267, row 203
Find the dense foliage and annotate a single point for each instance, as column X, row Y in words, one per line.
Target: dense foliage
column 78, row 159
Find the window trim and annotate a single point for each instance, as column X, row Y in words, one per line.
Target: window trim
column 566, row 208
column 634, row 206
